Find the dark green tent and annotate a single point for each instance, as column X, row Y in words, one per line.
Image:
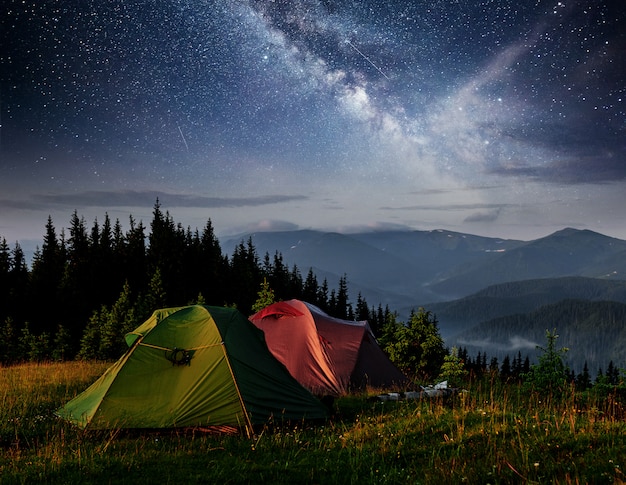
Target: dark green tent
column 193, row 366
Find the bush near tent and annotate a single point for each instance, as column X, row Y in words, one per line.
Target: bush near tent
column 327, row 355
column 193, row 366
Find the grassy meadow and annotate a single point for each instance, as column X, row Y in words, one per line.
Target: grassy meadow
column 488, row 434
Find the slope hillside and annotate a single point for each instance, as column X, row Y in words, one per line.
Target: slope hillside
column 399, row 264
column 438, row 252
column 409, row 269
column 380, row 276
column 569, row 252
column 521, row 297
column 593, row 331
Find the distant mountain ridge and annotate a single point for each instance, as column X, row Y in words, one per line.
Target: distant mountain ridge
column 522, row 297
column 409, row 269
column 491, row 295
column 391, row 267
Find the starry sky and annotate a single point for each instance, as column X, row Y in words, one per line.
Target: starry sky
column 498, row 118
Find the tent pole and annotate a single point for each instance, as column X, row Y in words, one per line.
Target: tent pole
column 248, row 426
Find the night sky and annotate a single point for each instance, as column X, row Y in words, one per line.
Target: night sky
column 498, row 118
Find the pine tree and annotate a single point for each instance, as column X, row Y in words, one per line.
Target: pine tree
column 583, row 380
column 279, row 276
column 5, row 279
column 493, row 365
column 134, row 257
column 90, row 340
column 362, row 311
column 77, row 284
column 550, row 373
column 311, row 288
column 265, row 297
column 612, row 374
column 9, row 343
column 505, row 370
column 453, row 369
column 166, row 251
column 155, row 298
column 342, row 306
column 115, row 324
column 213, row 267
column 245, row 275
column 18, row 283
column 322, row 296
column 62, row 345
column 295, row 283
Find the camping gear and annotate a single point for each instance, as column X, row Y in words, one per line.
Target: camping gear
column 327, row 355
column 193, row 366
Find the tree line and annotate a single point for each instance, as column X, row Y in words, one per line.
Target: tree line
column 85, row 288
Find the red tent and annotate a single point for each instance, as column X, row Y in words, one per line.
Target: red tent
column 327, row 355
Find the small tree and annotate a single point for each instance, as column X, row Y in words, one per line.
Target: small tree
column 417, row 347
column 453, row 368
column 62, row 344
column 92, row 335
column 116, row 323
column 265, row 297
column 551, row 373
column 9, row 344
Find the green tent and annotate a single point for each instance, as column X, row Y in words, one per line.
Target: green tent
column 193, row 366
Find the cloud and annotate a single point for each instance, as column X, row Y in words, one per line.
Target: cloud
column 572, row 170
column 377, row 226
column 515, row 343
column 448, row 207
column 270, row 225
column 132, row 198
column 489, row 216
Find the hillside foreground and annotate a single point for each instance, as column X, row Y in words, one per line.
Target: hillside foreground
column 489, row 433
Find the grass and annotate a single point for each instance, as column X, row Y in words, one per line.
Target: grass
column 489, row 434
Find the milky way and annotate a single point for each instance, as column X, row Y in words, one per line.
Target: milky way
column 449, row 113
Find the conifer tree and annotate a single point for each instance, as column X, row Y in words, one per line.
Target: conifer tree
column 134, row 257
column 245, row 274
column 295, row 283
column 115, row 324
column 155, row 298
column 9, row 343
column 362, row 310
column 92, row 335
column 311, row 288
column 505, row 370
column 77, row 285
column 550, row 373
column 213, row 267
column 18, row 282
column 62, row 345
column 5, row 280
column 342, row 309
column 322, row 300
column 583, row 380
column 265, row 297
column 453, row 369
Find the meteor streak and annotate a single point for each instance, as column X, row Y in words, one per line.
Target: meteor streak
column 183, row 137
column 367, row 59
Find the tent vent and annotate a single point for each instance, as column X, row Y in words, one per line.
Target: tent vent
column 178, row 356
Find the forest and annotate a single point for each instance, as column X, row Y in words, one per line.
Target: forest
column 85, row 289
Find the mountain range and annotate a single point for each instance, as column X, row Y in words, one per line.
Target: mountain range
column 473, row 284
